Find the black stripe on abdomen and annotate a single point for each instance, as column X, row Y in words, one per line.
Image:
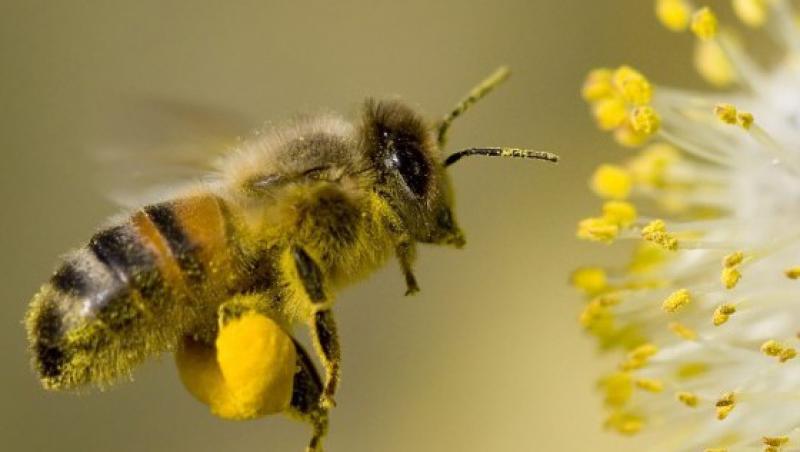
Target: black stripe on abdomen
column 182, row 248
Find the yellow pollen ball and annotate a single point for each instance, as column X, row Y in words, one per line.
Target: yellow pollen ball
column 677, row 301
column 645, row 120
column 792, row 273
column 704, row 23
column 682, row 331
column 730, row 277
column 620, row 212
column 674, row 14
column 689, row 399
column 775, row 441
column 726, row 113
column 612, row 182
column 634, row 87
column 590, row 280
column 752, row 12
column 656, row 232
column 713, row 64
column 610, row 113
column 725, row 405
column 597, row 230
column 597, row 85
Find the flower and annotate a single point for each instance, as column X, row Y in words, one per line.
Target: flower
column 706, row 312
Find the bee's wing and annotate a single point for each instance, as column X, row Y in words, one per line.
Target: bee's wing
column 154, row 146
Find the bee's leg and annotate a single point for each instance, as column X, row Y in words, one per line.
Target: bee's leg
column 306, row 395
column 323, row 328
column 406, row 251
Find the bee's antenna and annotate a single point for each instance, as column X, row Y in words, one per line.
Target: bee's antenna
column 501, row 152
column 476, row 94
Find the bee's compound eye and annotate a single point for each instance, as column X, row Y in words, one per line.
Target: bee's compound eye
column 408, row 160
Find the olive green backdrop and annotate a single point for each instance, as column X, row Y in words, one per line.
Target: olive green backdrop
column 488, row 356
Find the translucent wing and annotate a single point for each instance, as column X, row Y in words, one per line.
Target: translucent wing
column 154, row 146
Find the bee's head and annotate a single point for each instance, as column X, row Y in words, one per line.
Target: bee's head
column 411, row 170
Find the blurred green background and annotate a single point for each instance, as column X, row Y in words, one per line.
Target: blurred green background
column 488, row 356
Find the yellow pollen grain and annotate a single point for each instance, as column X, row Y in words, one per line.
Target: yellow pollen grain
column 730, row 277
column 689, row 399
column 704, row 23
column 792, row 272
column 610, row 113
column 597, row 85
column 656, row 232
column 590, row 280
column 597, row 230
column 674, row 14
column 723, row 313
column 619, row 212
column 725, row 405
column 632, row 85
column 713, row 64
column 645, row 120
column 752, row 13
column 775, row 441
column 733, row 259
column 726, row 113
column 682, row 331
column 650, row 385
column 611, row 182
column 677, row 301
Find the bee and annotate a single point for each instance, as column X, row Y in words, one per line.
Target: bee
column 221, row 272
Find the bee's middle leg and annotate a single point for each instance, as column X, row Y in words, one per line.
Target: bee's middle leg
column 323, row 325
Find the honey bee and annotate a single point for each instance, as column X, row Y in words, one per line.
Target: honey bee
column 222, row 271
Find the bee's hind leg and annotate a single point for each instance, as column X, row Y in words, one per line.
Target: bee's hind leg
column 306, row 395
column 323, row 327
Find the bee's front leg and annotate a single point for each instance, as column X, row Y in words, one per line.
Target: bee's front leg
column 406, row 251
column 323, row 326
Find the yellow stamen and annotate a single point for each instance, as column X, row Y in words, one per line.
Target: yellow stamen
column 689, row 399
column 752, row 12
column 704, row 23
column 792, row 272
column 775, row 441
column 650, row 385
column 612, row 182
column 646, row 256
column 691, row 370
column 726, row 113
column 597, row 230
column 745, row 120
column 619, row 212
column 626, row 136
column 733, row 259
column 618, row 389
column 625, row 423
column 645, row 120
column 682, row 331
column 597, row 85
column 772, row 348
column 638, row 357
column 610, row 113
column 673, row 14
column 590, row 280
column 656, row 232
column 634, row 87
column 723, row 313
column 677, row 301
column 787, row 354
column 650, row 166
column 713, row 64
column 725, row 405
column 730, row 277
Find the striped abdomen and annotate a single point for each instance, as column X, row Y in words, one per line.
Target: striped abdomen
column 131, row 292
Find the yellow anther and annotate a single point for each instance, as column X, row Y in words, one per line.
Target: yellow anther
column 787, row 354
column 646, row 256
column 590, row 280
column 638, row 357
column 620, row 212
column 682, row 331
column 677, row 301
column 792, row 272
column 610, row 113
column 723, row 313
column 691, row 370
column 618, row 389
column 725, row 405
column 752, row 12
column 596, row 312
column 650, row 166
column 650, row 384
column 775, row 441
column 645, row 120
column 612, row 182
column 597, row 85
column 704, row 23
column 625, row 423
column 726, row 113
column 733, row 259
column 713, row 64
column 634, row 87
column 745, row 120
column 674, row 14
column 689, row 399
column 730, row 277
column 656, row 232
column 626, row 136
column 597, row 230
column 772, row 348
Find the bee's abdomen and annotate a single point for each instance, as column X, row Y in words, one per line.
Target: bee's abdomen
column 131, row 292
